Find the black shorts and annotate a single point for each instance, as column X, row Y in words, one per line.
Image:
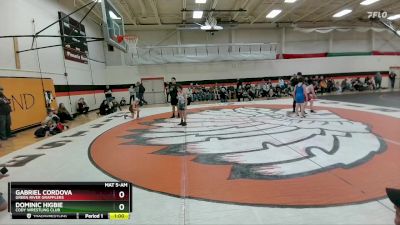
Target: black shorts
column 174, row 101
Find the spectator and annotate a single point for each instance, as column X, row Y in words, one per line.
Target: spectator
column 189, row 95
column 344, row 85
column 5, row 116
column 141, row 94
column 378, row 80
column 105, row 108
column 323, row 85
column 131, row 94
column 63, row 113
column 223, row 94
column 392, row 77
column 108, row 93
column 50, row 126
column 82, row 107
column 115, row 106
column 122, row 102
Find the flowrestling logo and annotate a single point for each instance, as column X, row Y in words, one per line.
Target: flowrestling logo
column 376, row 14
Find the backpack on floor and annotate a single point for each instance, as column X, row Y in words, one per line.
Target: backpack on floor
column 41, row 132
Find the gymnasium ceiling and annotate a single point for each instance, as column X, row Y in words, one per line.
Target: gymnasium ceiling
column 167, row 14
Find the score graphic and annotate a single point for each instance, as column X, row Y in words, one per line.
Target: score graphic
column 74, row 200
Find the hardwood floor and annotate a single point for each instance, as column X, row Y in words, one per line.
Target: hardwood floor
column 26, row 137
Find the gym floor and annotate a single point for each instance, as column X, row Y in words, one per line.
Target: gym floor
column 248, row 163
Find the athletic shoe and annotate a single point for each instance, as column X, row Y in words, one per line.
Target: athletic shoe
column 181, row 123
column 312, row 111
column 173, row 116
column 12, row 135
column 125, row 116
column 184, row 124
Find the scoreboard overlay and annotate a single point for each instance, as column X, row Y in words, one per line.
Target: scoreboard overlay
column 70, row 200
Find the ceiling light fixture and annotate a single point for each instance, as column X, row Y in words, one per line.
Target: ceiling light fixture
column 290, row 1
column 201, row 1
column 368, row 2
column 342, row 13
column 197, row 14
column 273, row 13
column 394, row 17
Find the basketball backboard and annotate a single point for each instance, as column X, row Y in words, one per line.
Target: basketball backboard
column 113, row 25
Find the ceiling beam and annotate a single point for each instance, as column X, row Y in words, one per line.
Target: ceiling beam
column 313, row 11
column 143, row 9
column 243, row 6
column 183, row 13
column 342, row 6
column 153, row 5
column 93, row 11
column 287, row 12
column 263, row 12
column 213, row 6
column 124, row 6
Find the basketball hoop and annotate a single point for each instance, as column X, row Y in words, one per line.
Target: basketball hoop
column 130, row 40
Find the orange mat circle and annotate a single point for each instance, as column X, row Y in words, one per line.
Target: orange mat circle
column 164, row 173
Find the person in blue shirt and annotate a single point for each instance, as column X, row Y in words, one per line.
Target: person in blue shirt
column 300, row 96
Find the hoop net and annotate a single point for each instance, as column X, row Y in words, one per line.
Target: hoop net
column 131, row 41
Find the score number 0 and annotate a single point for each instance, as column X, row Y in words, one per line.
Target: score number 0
column 121, row 195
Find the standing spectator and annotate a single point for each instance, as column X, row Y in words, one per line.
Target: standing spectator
column 378, row 80
column 173, row 92
column 189, row 95
column 63, row 113
column 392, row 77
column 323, row 85
column 82, row 107
column 141, row 94
column 5, row 116
column 108, row 93
column 131, row 94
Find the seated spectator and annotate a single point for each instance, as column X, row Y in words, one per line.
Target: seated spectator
column 105, row 108
column 63, row 113
column 82, row 107
column 51, row 125
column 122, row 102
column 115, row 105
